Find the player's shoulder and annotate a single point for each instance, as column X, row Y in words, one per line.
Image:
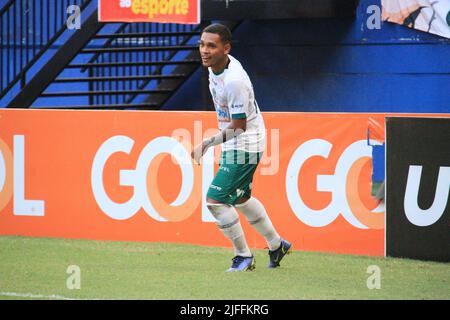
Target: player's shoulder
column 235, row 74
column 235, row 85
column 235, row 67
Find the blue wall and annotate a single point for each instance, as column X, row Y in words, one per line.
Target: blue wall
column 323, row 65
column 337, row 65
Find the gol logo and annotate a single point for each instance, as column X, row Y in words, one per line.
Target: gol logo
column 12, row 180
column 196, row 179
column 343, row 185
column 146, row 194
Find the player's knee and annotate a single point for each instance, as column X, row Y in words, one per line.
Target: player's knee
column 212, row 201
column 216, row 208
column 223, row 213
column 214, row 205
column 252, row 209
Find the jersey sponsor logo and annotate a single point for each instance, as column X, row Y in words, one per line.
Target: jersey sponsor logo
column 239, row 192
column 212, row 186
column 223, row 114
column 237, row 106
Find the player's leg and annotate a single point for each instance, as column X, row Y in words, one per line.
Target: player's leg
column 251, row 207
column 228, row 222
column 256, row 215
column 219, row 201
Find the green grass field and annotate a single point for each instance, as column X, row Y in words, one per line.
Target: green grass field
column 36, row 268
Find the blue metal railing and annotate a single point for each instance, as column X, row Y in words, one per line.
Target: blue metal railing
column 27, row 29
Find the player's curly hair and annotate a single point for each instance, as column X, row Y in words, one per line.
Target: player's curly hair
column 221, row 30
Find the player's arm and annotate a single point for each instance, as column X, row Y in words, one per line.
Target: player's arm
column 235, row 128
column 237, row 101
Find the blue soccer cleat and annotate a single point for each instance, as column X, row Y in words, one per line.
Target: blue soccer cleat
column 242, row 264
column 275, row 256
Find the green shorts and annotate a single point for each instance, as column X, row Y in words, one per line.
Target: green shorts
column 233, row 180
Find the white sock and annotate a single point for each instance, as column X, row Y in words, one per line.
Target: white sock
column 257, row 216
column 228, row 222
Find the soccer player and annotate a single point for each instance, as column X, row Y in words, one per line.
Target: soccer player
column 242, row 137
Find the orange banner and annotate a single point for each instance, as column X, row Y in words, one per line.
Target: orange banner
column 107, row 175
column 164, row 11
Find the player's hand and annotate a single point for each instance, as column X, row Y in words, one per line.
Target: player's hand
column 198, row 152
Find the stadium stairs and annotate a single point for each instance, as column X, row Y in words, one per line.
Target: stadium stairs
column 101, row 65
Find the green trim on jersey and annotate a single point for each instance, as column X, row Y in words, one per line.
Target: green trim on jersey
column 233, row 180
column 219, row 73
column 226, row 67
column 239, row 116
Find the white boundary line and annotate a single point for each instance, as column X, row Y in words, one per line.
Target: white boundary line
column 34, row 296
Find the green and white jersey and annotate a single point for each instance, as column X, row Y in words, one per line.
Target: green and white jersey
column 233, row 97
